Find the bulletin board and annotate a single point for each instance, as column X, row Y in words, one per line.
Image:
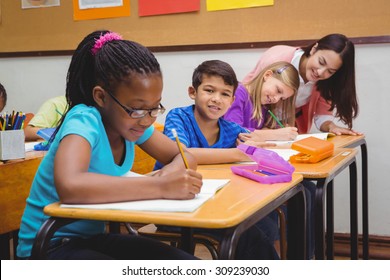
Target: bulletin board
column 54, row 29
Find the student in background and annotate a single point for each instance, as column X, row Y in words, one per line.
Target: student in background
column 114, row 91
column 3, row 97
column 211, row 139
column 327, row 82
column 274, row 88
column 48, row 116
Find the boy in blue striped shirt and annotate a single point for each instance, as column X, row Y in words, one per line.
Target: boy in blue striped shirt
column 200, row 127
column 212, row 139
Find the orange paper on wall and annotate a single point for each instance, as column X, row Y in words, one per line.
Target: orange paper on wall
column 98, row 13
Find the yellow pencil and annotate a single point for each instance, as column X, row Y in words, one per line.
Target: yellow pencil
column 180, row 148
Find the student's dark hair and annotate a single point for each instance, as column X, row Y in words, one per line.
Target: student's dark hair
column 340, row 88
column 215, row 68
column 113, row 62
column 3, row 94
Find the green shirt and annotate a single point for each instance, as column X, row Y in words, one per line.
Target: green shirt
column 50, row 113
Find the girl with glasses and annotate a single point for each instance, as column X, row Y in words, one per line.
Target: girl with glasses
column 113, row 91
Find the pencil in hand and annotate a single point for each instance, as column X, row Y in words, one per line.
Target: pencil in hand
column 174, row 132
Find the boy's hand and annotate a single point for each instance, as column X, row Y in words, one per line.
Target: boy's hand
column 263, row 145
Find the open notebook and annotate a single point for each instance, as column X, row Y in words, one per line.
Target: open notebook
column 29, row 146
column 321, row 135
column 209, row 188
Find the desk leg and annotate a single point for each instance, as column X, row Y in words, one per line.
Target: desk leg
column 319, row 220
column 114, row 227
column 187, row 240
column 5, row 248
column 353, row 210
column 366, row 254
column 44, row 235
column 365, row 224
column 296, row 234
column 329, row 222
column 15, row 241
column 228, row 244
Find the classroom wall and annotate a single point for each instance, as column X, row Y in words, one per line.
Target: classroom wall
column 30, row 81
column 53, row 28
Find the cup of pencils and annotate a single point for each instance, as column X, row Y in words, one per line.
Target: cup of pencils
column 12, row 136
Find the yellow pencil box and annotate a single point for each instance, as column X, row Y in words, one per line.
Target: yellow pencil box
column 311, row 150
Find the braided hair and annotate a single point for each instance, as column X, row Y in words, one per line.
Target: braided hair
column 112, row 62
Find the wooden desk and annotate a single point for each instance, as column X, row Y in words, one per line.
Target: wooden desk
column 348, row 141
column 16, row 177
column 324, row 172
column 236, row 207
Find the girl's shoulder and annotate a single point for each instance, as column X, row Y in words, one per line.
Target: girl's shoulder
column 241, row 91
column 181, row 112
column 82, row 115
column 82, row 109
column 241, row 94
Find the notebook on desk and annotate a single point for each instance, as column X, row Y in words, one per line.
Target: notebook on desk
column 29, row 146
column 209, row 188
column 321, row 135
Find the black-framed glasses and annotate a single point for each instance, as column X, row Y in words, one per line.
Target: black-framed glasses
column 139, row 113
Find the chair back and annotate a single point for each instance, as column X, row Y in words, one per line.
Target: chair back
column 29, row 116
column 143, row 162
column 15, row 181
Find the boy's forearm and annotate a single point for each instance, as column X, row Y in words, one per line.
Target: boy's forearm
column 216, row 155
column 30, row 133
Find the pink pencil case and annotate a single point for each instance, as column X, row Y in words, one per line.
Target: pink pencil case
column 270, row 168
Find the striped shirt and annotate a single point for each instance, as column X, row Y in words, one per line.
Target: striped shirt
column 183, row 120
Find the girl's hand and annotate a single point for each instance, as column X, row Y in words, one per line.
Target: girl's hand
column 180, row 184
column 338, row 130
column 283, row 134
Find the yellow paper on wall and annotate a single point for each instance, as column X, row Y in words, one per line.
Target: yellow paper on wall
column 216, row 5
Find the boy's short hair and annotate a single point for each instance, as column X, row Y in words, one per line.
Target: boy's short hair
column 215, row 68
column 3, row 94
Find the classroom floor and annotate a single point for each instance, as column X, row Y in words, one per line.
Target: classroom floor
column 341, row 252
column 379, row 249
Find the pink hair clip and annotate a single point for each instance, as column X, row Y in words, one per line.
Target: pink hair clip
column 99, row 43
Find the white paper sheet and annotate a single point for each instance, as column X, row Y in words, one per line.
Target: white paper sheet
column 322, row 136
column 209, row 188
